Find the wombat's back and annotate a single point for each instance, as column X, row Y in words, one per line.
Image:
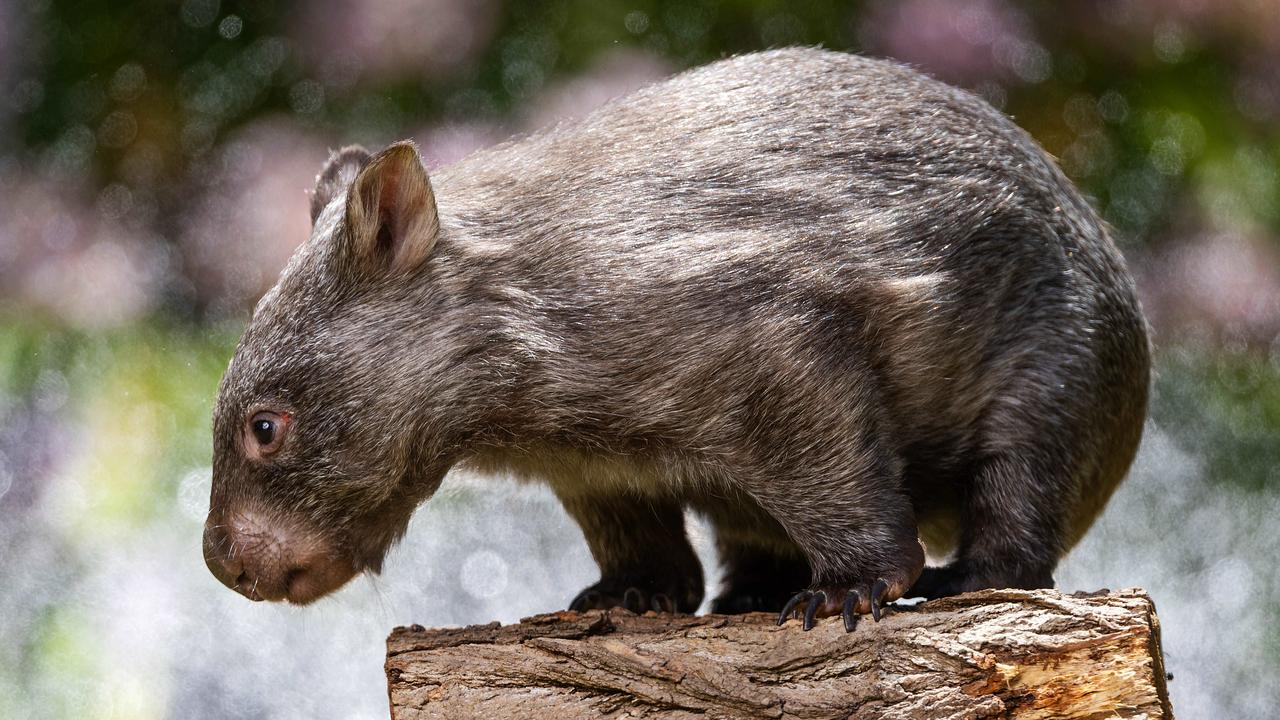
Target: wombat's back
column 796, row 156
column 806, row 174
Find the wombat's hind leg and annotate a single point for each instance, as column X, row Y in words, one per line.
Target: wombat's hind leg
column 759, row 579
column 1013, row 529
column 639, row 542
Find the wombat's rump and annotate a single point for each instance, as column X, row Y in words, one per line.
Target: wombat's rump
column 828, row 302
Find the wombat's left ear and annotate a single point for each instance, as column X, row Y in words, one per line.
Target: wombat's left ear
column 391, row 211
column 338, row 173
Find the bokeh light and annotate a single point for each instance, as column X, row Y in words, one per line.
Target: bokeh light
column 154, row 164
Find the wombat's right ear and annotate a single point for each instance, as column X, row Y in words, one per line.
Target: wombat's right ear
column 338, row 173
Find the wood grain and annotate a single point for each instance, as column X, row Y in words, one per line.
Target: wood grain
column 992, row 654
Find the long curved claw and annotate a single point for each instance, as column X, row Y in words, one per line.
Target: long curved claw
column 850, row 611
column 662, row 602
column 850, row 599
column 585, row 601
column 878, row 591
column 811, row 611
column 790, row 607
column 633, row 600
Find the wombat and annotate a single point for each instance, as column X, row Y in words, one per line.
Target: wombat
column 835, row 306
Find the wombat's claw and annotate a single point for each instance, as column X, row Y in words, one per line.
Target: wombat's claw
column 853, row 601
column 815, row 602
column 850, row 611
column 662, row 602
column 849, row 601
column 802, row 596
column 586, row 600
column 878, row 592
column 633, row 600
column 813, row 599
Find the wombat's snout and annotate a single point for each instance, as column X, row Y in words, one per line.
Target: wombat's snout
column 265, row 559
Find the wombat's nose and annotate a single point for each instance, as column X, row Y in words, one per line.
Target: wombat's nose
column 268, row 560
column 234, row 553
column 221, row 557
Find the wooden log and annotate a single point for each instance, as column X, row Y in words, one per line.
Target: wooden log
column 991, row 654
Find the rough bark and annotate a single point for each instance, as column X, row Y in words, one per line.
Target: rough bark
column 991, row 654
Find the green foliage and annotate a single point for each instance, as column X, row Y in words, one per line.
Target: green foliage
column 1224, row 408
column 142, row 399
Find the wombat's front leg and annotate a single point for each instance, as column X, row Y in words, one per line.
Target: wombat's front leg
column 858, row 532
column 639, row 542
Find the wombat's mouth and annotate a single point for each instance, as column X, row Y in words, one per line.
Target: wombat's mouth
column 304, row 586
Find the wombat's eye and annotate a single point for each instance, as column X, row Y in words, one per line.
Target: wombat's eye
column 266, row 432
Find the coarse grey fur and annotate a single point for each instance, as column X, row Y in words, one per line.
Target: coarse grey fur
column 831, row 303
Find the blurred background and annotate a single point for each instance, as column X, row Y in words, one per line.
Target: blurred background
column 154, row 158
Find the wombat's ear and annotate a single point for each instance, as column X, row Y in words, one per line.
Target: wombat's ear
column 391, row 211
column 338, row 173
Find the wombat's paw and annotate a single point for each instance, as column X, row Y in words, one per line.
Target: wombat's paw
column 633, row 599
column 858, row 596
column 848, row 602
column 610, row 594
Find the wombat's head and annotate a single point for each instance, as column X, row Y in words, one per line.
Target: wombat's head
column 317, row 463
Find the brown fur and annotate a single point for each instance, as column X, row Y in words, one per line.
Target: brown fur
column 826, row 301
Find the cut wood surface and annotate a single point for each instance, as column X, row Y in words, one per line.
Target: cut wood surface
column 991, row 654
